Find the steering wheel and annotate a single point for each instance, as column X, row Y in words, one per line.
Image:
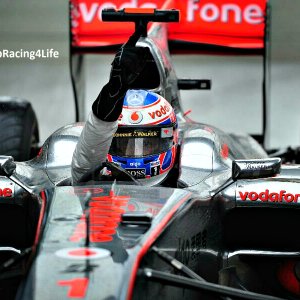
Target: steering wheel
column 117, row 172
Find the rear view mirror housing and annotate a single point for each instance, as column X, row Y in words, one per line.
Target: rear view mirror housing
column 255, row 168
column 194, row 84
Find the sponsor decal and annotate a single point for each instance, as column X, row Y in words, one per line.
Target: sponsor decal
column 105, row 215
column 92, row 11
column 6, row 192
column 189, row 248
column 256, row 166
column 206, row 11
column 162, row 111
column 123, row 134
column 137, row 173
column 135, row 164
column 268, row 196
column 220, row 11
column 234, row 23
column 153, row 113
column 136, row 133
column 6, row 188
column 166, row 132
column 135, row 98
column 142, row 133
column 136, row 117
column 77, row 287
column 82, row 253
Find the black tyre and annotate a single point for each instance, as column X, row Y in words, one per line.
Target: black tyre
column 18, row 129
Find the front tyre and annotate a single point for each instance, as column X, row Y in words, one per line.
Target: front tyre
column 19, row 129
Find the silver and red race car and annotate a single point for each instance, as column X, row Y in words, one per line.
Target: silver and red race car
column 226, row 228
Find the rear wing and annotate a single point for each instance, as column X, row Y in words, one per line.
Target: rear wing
column 235, row 25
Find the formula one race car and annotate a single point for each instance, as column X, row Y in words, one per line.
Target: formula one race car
column 227, row 230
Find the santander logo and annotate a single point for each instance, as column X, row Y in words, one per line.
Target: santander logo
column 266, row 196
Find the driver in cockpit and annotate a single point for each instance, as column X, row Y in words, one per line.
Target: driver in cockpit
column 135, row 129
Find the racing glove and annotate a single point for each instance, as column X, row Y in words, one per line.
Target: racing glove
column 126, row 67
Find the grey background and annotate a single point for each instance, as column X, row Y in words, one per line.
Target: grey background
column 233, row 104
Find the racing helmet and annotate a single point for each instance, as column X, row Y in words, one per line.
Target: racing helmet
column 146, row 139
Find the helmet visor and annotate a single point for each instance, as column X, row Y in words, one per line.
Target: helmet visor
column 132, row 142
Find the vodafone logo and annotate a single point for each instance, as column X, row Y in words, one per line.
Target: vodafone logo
column 234, row 23
column 90, row 12
column 206, row 11
column 266, row 196
column 224, row 12
column 6, row 192
column 136, row 117
column 162, row 111
column 147, row 115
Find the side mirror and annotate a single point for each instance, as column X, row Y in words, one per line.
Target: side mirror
column 7, row 165
column 8, row 168
column 194, row 84
column 255, row 168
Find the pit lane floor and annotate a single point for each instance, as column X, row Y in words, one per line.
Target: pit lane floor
column 233, row 104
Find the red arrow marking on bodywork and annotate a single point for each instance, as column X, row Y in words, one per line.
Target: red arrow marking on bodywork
column 77, row 287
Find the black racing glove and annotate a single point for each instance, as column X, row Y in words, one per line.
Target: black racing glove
column 126, row 67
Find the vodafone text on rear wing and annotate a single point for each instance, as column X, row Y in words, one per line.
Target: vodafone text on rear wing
column 234, row 23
